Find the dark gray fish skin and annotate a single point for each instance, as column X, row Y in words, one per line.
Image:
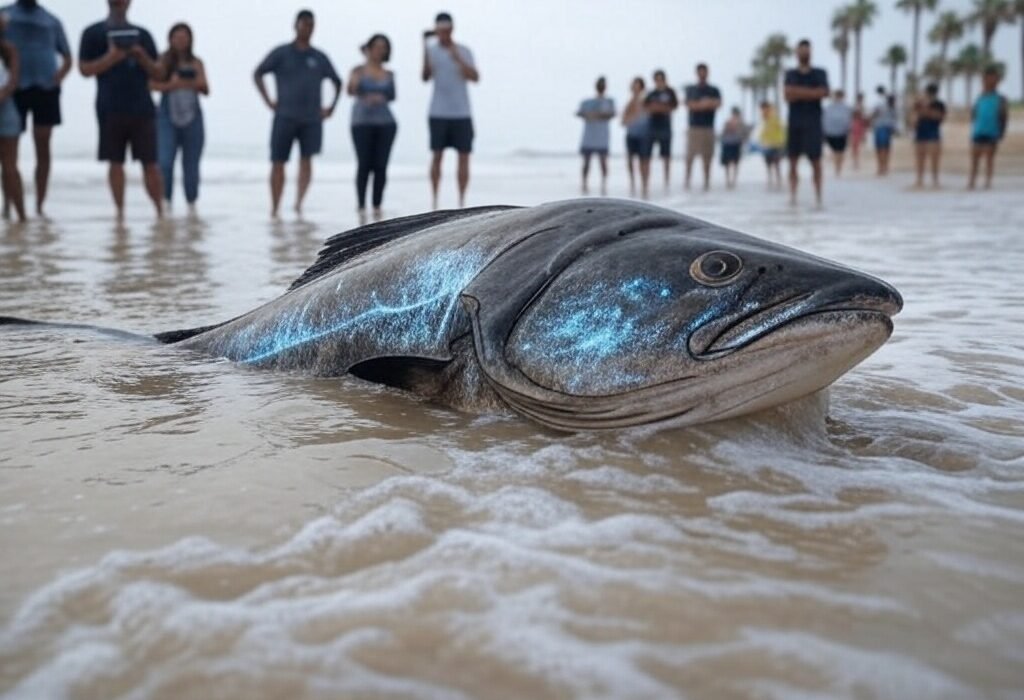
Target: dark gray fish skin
column 583, row 314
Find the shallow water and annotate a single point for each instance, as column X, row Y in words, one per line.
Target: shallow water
column 174, row 526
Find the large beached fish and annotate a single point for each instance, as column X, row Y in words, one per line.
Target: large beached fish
column 584, row 314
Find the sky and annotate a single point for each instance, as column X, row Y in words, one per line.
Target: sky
column 537, row 59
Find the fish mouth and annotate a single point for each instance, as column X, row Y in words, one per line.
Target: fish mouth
column 876, row 301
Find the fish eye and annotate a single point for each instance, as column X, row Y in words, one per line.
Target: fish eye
column 716, row 268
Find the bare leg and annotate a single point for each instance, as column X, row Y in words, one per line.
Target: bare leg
column 707, row 171
column 936, row 162
column 10, row 176
column 435, row 176
column 920, row 150
column 688, row 159
column 794, row 180
column 585, row 173
column 632, row 176
column 463, row 177
column 115, row 176
column 667, row 165
column 276, row 187
column 645, row 177
column 816, row 165
column 41, row 135
column 154, row 182
column 603, row 157
column 305, row 177
column 990, row 165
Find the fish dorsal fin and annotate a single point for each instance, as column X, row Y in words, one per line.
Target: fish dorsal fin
column 347, row 245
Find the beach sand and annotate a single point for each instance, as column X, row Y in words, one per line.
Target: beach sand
column 176, row 526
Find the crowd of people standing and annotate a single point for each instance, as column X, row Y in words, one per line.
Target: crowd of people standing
column 36, row 56
column 811, row 125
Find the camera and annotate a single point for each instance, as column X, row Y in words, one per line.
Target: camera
column 429, row 33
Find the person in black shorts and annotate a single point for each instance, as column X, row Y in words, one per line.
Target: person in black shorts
column 806, row 87
column 660, row 103
column 39, row 38
column 123, row 59
column 299, row 71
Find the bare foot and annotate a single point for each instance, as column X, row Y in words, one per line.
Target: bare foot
column 378, row 215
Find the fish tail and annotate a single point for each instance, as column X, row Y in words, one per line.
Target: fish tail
column 15, row 321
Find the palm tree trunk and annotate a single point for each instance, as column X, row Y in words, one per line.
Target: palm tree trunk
column 892, row 80
column 1021, row 57
column 778, row 84
column 947, row 72
column 969, row 88
column 989, row 32
column 856, row 61
column 917, row 35
column 842, row 65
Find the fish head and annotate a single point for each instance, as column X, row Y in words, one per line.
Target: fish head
column 667, row 318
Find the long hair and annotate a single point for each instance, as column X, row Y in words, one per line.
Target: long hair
column 171, row 59
column 365, row 48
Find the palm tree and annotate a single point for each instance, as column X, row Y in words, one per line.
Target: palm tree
column 841, row 41
column 747, row 85
column 969, row 62
column 895, row 57
column 916, row 7
column 775, row 48
column 862, row 14
column 1018, row 9
column 934, row 70
column 989, row 14
column 948, row 28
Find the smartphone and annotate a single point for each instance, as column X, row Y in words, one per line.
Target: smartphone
column 429, row 33
column 187, row 73
column 124, row 38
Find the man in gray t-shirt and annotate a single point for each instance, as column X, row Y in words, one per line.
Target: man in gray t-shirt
column 299, row 70
column 450, row 66
column 596, row 112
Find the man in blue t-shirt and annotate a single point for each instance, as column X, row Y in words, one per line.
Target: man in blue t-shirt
column 40, row 39
column 806, row 87
column 123, row 58
column 299, row 70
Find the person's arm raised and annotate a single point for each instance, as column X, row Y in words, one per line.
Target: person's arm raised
column 469, row 71
column 427, row 73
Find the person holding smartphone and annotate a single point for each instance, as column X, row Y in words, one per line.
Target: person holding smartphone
column 123, row 59
column 373, row 125
column 451, row 67
column 180, row 119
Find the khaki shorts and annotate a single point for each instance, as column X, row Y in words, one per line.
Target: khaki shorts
column 700, row 141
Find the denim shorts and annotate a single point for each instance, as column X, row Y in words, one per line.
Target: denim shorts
column 10, row 119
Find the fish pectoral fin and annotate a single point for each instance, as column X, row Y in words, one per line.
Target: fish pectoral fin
column 420, row 375
column 345, row 246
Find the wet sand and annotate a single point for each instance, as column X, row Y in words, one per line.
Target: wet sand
column 176, row 526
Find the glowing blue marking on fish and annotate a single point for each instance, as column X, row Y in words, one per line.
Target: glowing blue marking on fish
column 432, row 293
column 597, row 325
